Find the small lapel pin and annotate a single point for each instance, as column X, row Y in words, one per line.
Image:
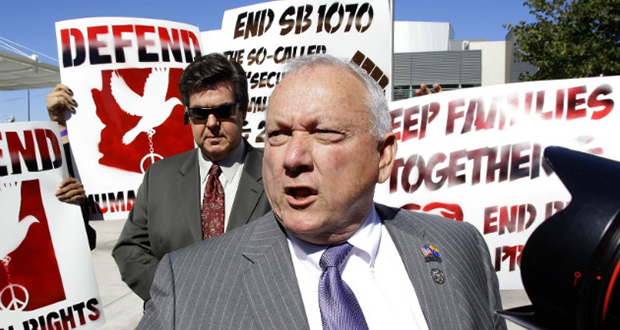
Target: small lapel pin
column 431, row 253
column 438, row 276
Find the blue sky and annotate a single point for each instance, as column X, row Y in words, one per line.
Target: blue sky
column 31, row 24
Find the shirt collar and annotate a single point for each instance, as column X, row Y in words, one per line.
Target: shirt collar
column 365, row 243
column 229, row 166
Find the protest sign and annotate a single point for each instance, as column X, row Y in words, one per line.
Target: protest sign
column 263, row 36
column 476, row 155
column 124, row 74
column 47, row 278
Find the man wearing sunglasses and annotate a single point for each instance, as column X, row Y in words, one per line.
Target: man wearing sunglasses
column 180, row 200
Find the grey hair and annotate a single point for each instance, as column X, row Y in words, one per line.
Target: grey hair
column 375, row 101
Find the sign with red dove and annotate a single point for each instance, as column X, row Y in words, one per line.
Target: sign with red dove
column 124, row 74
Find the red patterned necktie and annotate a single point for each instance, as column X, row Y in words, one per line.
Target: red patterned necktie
column 213, row 205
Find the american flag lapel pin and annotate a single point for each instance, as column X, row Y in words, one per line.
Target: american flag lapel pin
column 430, row 253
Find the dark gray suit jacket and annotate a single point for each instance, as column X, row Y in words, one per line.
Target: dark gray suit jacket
column 166, row 215
column 245, row 278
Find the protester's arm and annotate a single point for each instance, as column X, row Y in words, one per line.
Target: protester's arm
column 58, row 102
column 424, row 90
column 132, row 252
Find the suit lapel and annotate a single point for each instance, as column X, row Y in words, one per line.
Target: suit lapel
column 409, row 236
column 250, row 189
column 188, row 187
column 248, row 194
column 270, row 282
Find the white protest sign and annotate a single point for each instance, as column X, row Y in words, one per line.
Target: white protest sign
column 124, row 74
column 47, row 278
column 263, row 36
column 476, row 155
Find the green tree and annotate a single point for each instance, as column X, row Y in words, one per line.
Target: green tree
column 570, row 38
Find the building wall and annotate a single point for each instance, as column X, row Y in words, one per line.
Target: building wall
column 493, row 61
column 426, row 52
column 421, row 36
column 514, row 67
column 451, row 69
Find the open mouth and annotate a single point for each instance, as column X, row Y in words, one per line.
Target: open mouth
column 299, row 194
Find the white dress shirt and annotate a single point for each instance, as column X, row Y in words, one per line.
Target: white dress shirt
column 375, row 273
column 232, row 167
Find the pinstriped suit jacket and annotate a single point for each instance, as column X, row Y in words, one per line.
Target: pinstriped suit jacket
column 245, row 279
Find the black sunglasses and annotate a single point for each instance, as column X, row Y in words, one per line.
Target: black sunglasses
column 223, row 111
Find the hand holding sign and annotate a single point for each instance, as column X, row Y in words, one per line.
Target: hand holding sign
column 424, row 90
column 72, row 191
column 59, row 100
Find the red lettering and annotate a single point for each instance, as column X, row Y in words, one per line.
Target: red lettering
column 142, row 32
column 594, row 102
column 509, row 162
column 395, row 115
column 26, row 151
column 489, row 220
column 573, row 102
column 454, row 179
column 512, row 253
column 190, row 43
column 170, row 44
column 94, row 44
column 414, row 162
column 454, row 114
column 119, row 43
column 442, row 174
column 80, row 52
column 409, row 121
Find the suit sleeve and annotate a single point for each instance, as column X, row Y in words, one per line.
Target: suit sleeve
column 132, row 252
column 494, row 298
column 159, row 311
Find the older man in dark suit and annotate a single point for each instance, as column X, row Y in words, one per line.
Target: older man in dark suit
column 197, row 194
column 328, row 257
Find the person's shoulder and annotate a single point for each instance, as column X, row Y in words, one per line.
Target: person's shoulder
column 432, row 227
column 409, row 218
column 180, row 157
column 174, row 160
column 253, row 158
